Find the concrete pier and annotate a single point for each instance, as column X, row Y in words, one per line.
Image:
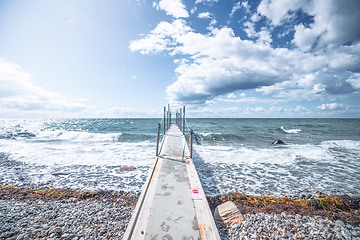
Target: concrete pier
column 172, row 204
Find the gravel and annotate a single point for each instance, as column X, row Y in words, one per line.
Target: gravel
column 102, row 219
column 282, row 226
column 89, row 219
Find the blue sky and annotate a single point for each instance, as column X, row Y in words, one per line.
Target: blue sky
column 220, row 58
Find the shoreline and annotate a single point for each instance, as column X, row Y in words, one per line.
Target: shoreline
column 74, row 214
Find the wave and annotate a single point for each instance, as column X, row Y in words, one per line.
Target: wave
column 14, row 135
column 212, row 137
column 126, row 137
column 290, row 130
column 76, row 136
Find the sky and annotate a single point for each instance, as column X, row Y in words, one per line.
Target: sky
column 219, row 58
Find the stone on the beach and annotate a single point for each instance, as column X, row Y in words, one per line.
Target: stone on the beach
column 355, row 233
column 20, row 237
column 73, row 199
column 227, row 214
column 339, row 223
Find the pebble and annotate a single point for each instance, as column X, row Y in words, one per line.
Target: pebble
column 92, row 219
column 283, row 226
column 63, row 219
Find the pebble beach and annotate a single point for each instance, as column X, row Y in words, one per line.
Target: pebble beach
column 87, row 219
column 69, row 214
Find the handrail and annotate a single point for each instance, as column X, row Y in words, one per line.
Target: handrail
column 181, row 122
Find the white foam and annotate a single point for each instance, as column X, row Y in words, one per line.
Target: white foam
column 209, row 133
column 272, row 171
column 77, row 136
column 290, row 130
column 346, row 144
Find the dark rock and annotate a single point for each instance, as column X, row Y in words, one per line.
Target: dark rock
column 59, row 174
column 278, row 142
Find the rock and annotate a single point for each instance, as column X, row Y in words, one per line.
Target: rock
column 278, row 142
column 73, row 199
column 57, row 230
column 65, row 235
column 5, row 235
column 20, row 237
column 340, row 223
column 60, row 174
column 227, row 214
column 355, row 233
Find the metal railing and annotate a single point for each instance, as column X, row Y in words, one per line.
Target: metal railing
column 167, row 121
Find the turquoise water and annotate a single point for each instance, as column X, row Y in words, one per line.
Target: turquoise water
column 235, row 155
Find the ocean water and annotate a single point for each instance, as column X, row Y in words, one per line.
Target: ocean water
column 235, row 155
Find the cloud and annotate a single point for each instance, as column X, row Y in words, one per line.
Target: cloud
column 248, row 100
column 334, row 21
column 173, row 8
column 232, row 95
column 204, row 15
column 18, row 93
column 277, row 109
column 332, row 106
column 205, row 1
column 220, row 63
column 300, row 109
column 278, row 11
column 354, row 80
column 193, row 10
column 159, row 39
column 255, row 17
column 256, row 110
column 263, row 36
column 236, row 7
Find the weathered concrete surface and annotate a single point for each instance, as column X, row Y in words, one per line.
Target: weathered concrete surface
column 172, row 212
column 167, row 207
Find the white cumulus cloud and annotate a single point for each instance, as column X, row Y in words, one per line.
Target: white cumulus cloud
column 204, row 15
column 175, row 8
column 221, row 63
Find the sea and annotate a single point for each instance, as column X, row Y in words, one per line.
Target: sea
column 233, row 155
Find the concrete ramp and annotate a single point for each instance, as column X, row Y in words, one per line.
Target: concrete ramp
column 172, row 204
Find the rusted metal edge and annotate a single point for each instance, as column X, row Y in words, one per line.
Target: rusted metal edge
column 153, row 175
column 206, row 223
column 207, row 226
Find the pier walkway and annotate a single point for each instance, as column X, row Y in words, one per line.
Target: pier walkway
column 172, row 204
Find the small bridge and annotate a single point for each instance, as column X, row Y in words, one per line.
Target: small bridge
column 172, row 204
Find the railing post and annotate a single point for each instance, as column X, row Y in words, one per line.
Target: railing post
column 164, row 120
column 183, row 120
column 168, row 116
column 157, row 140
column 191, row 142
column 180, row 123
column 167, row 120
